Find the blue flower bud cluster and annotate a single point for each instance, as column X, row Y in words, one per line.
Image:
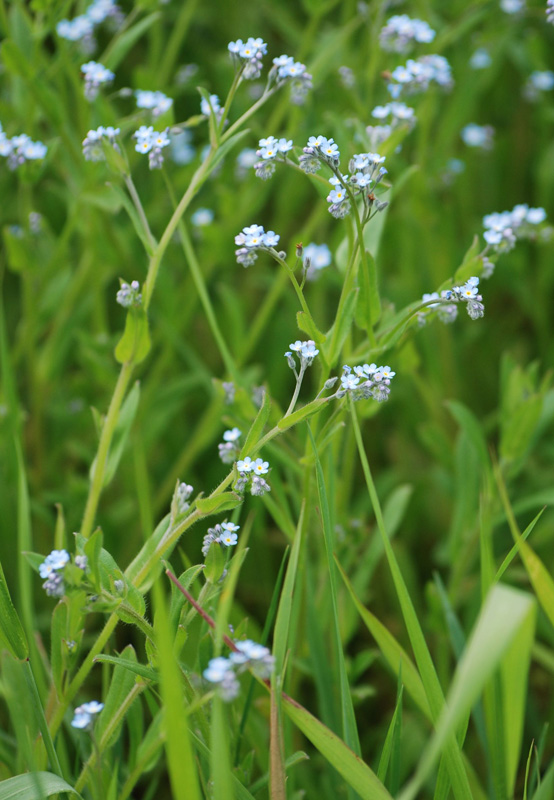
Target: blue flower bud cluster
column 503, row 229
column 129, row 295
column 315, row 258
column 20, row 149
column 151, row 142
column 224, row 671
column 247, row 56
column 397, row 115
column 286, row 69
column 229, row 449
column 401, row 32
column 223, row 533
column 365, row 381
column 480, row 136
column 305, row 352
column 512, row 6
column 81, row 28
column 182, row 495
column 250, row 476
column 156, row 102
column 271, row 150
column 252, row 239
column 84, row 715
column 550, row 11
column 417, row 75
column 93, row 143
column 53, row 567
column 96, row 75
column 446, row 311
column 538, row 82
column 469, row 294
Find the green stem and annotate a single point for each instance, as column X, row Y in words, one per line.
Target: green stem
column 197, row 180
column 115, row 720
column 363, row 255
column 198, row 279
column 43, row 725
column 82, row 673
column 140, row 210
column 290, row 409
column 104, row 447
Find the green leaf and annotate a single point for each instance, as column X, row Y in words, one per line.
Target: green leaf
column 93, row 550
column 341, row 327
column 220, row 502
column 306, row 324
column 393, row 652
column 505, row 614
column 181, row 763
column 34, row 786
column 256, row 430
column 121, row 684
column 121, row 433
column 215, row 563
column 302, row 414
column 12, row 635
column 354, row 771
column 349, row 728
column 471, row 264
column 469, row 423
column 131, row 665
column 134, row 345
column 125, row 41
column 368, row 307
column 58, row 646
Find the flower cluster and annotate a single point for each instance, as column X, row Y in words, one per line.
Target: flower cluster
column 52, row 568
column 468, row 293
column 480, row 59
column 202, row 217
column 286, row 69
column 248, row 655
column 129, row 295
column 512, row 6
column 474, row 135
column 96, row 75
column 401, row 32
column 396, row 114
column 550, row 11
column 20, row 149
column 365, row 381
column 84, row 715
column 151, row 142
column 252, row 239
column 207, row 107
column 502, row 230
column 229, row 448
column 315, row 258
column 270, row 150
column 250, row 476
column 182, row 495
column 223, row 533
column 538, row 82
column 157, row 102
column 416, row 76
column 82, row 27
column 93, row 143
column 367, row 171
column 305, row 352
column 248, row 56
column 446, row 311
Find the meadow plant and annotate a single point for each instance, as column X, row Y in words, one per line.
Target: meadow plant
column 285, row 627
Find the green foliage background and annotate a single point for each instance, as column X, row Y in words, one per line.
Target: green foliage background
column 461, row 392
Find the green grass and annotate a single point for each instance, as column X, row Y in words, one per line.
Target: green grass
column 400, row 569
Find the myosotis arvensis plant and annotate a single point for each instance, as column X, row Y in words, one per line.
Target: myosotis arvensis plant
column 357, row 188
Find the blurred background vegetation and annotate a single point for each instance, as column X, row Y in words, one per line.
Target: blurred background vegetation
column 456, row 385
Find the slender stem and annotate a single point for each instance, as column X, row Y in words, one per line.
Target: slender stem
column 247, row 114
column 82, row 673
column 299, row 379
column 197, row 179
column 140, row 210
column 104, row 447
column 363, row 255
column 294, row 282
column 198, row 278
column 43, row 725
column 204, row 614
